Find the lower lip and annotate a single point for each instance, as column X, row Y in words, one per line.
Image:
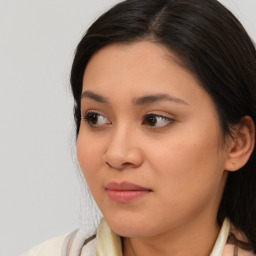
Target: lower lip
column 126, row 196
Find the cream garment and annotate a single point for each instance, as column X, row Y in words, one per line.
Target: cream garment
column 52, row 247
column 107, row 243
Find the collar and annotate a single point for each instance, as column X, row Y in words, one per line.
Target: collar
column 221, row 239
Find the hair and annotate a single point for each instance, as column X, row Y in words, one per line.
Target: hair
column 212, row 44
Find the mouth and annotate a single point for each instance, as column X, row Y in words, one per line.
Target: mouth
column 125, row 192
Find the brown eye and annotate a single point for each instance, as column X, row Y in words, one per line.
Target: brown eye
column 92, row 118
column 157, row 120
column 151, row 119
column 95, row 119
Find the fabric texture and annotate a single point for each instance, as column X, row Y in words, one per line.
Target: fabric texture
column 230, row 242
column 51, row 247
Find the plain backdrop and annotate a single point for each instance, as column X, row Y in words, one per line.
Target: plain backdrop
column 40, row 192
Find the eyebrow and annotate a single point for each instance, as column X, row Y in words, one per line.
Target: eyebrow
column 157, row 97
column 94, row 96
column 138, row 101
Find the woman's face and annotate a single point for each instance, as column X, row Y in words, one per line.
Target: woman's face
column 149, row 143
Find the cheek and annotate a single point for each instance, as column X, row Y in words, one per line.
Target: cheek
column 89, row 153
column 187, row 178
column 184, row 153
column 188, row 160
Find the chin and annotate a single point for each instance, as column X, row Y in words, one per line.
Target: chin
column 128, row 227
column 128, row 231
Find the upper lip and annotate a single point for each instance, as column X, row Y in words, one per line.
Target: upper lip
column 125, row 186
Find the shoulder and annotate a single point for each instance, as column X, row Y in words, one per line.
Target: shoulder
column 71, row 244
column 50, row 247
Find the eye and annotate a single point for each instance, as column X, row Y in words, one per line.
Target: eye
column 95, row 119
column 157, row 120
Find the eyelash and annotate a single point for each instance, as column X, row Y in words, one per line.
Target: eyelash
column 93, row 115
column 146, row 120
column 152, row 118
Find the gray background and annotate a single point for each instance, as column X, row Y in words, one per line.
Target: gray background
column 40, row 192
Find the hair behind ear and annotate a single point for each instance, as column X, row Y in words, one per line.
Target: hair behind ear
column 239, row 197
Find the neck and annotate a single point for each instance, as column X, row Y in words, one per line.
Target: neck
column 192, row 240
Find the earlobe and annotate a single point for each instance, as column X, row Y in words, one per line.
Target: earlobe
column 241, row 147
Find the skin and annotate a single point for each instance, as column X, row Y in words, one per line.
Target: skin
column 181, row 159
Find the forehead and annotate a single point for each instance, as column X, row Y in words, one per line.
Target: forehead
column 138, row 69
column 136, row 55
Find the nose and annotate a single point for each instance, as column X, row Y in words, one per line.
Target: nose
column 123, row 151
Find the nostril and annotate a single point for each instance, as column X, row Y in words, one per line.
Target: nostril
column 122, row 158
column 108, row 165
column 127, row 164
column 121, row 166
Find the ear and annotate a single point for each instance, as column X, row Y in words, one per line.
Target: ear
column 241, row 147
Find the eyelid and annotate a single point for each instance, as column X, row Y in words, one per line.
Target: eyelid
column 86, row 118
column 86, row 112
column 161, row 114
column 167, row 120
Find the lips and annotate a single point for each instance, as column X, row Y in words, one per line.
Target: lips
column 125, row 192
column 124, row 186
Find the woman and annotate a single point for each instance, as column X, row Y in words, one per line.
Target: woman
column 165, row 106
